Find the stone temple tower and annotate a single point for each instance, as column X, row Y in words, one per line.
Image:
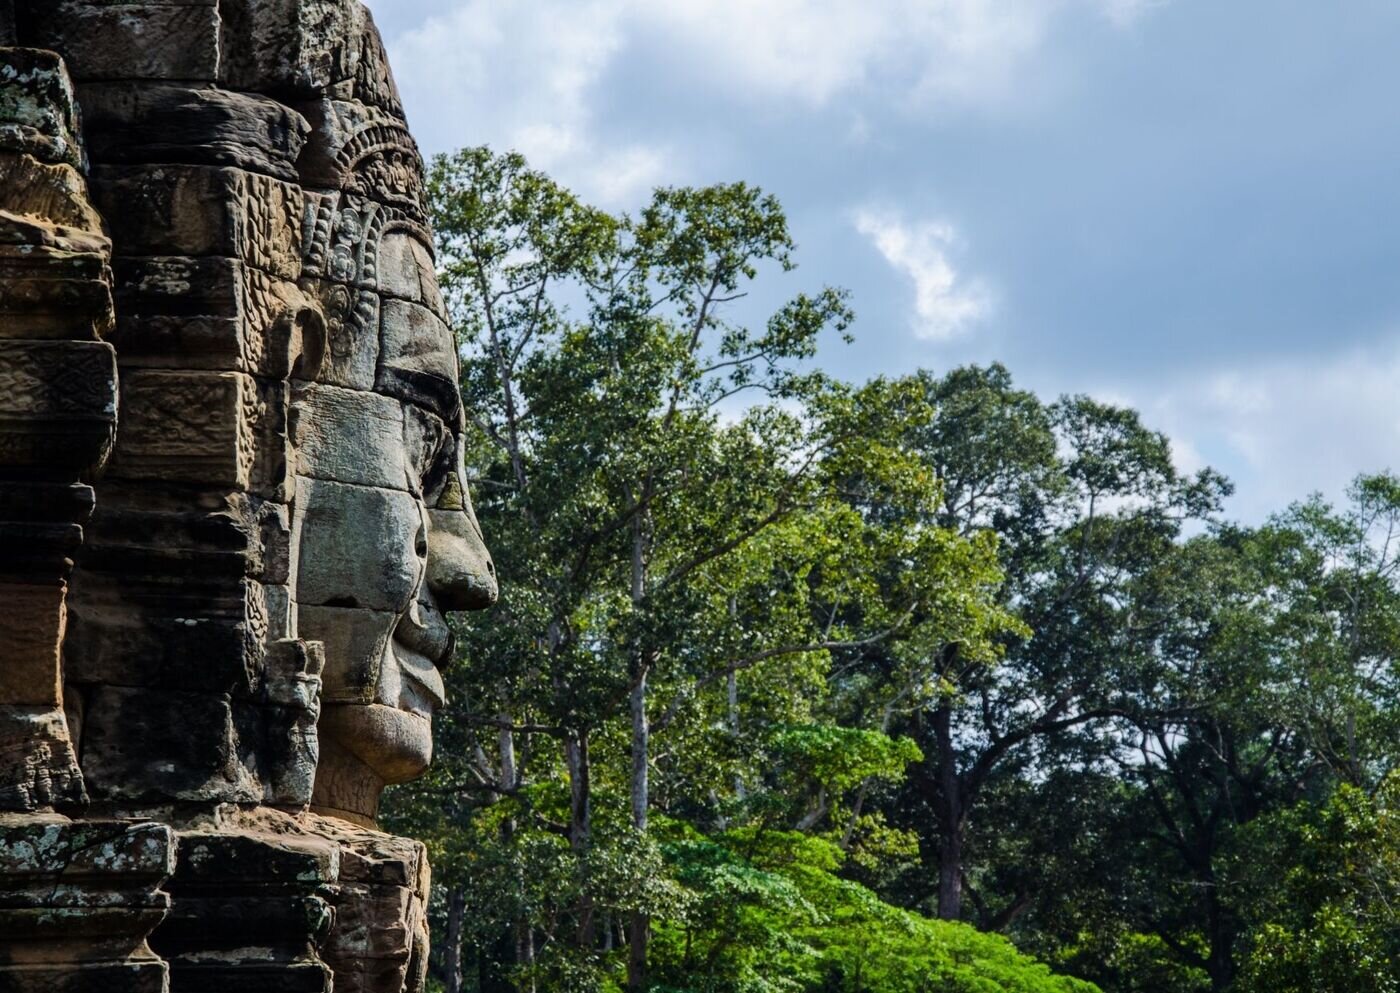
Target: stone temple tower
column 233, row 517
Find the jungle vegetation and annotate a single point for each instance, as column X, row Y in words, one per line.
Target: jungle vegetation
column 921, row 684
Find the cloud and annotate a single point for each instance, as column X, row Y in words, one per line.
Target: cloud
column 812, row 51
column 532, row 76
column 807, row 49
column 945, row 304
column 523, row 77
column 1127, row 12
column 1286, row 427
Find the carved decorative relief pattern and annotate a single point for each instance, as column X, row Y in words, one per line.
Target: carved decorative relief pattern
column 383, row 161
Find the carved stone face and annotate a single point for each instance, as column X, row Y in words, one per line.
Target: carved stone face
column 387, row 540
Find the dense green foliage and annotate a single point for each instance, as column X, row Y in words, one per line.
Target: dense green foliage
column 809, row 687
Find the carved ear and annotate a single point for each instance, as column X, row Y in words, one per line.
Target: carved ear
column 300, row 333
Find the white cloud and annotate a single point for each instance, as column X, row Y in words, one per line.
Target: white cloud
column 523, row 76
column 921, row 51
column 1287, row 427
column 530, row 75
column 807, row 49
column 945, row 304
column 1126, row 12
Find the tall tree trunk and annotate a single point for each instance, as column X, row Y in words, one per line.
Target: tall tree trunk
column 525, row 951
column 952, row 818
column 492, row 964
column 580, row 827
column 950, row 876
column 734, row 725
column 641, row 747
column 456, row 916
column 1221, row 963
column 638, row 936
column 522, row 933
column 639, row 927
column 1220, row 960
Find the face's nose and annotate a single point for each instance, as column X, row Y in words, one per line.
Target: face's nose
column 461, row 574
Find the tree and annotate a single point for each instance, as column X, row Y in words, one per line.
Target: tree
column 1271, row 680
column 656, row 542
column 783, row 664
column 1327, row 896
column 1080, row 496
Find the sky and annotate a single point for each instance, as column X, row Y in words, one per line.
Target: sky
column 1188, row 206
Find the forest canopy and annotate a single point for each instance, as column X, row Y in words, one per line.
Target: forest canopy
column 926, row 683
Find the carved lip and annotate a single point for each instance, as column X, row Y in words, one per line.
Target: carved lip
column 422, row 691
column 423, row 629
column 423, row 643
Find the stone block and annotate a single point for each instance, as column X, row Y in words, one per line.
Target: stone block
column 355, row 643
column 306, row 47
column 147, row 974
column 202, row 635
column 267, row 695
column 350, row 436
column 141, row 534
column 273, row 564
column 40, row 110
column 127, row 854
column 203, row 428
column 77, row 902
column 127, row 39
column 58, row 404
column 408, row 271
column 46, row 380
column 37, row 766
column 169, row 593
column 374, row 859
column 211, row 859
column 188, row 210
column 399, row 274
column 141, row 123
column 247, row 912
column 30, row 500
column 352, row 333
column 51, row 287
column 41, row 531
column 361, row 547
column 431, row 449
column 361, row 932
column 154, row 745
column 418, row 359
column 30, row 645
column 379, row 940
column 55, row 196
column 178, row 312
column 38, row 552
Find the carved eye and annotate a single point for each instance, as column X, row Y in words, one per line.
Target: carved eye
column 441, row 472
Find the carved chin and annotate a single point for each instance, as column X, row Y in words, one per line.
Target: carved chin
column 393, row 744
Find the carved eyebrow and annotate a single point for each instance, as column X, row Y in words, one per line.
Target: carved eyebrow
column 438, row 396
